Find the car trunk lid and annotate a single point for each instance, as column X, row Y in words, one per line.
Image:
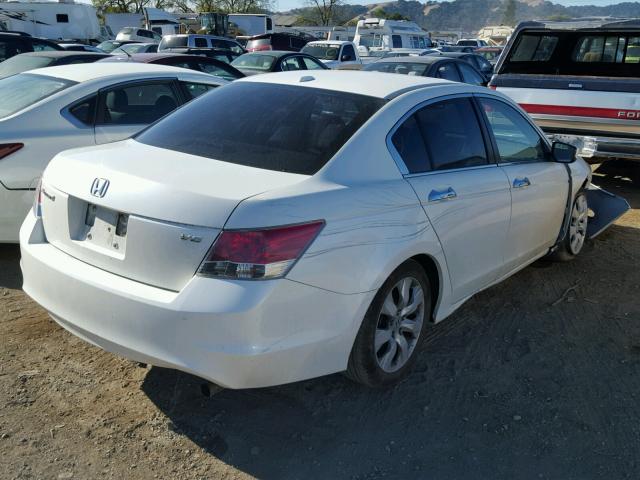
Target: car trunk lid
column 143, row 212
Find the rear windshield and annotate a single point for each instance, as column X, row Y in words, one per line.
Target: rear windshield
column 404, row 68
column 323, row 52
column 255, row 62
column 22, row 63
column 173, row 42
column 258, row 43
column 20, row 91
column 606, row 54
column 275, row 127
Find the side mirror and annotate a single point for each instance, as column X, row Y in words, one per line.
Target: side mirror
column 563, row 152
column 346, row 58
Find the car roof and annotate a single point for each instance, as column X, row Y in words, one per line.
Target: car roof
column 150, row 57
column 452, row 54
column 84, row 72
column 332, row 42
column 417, row 59
column 215, row 37
column 63, row 53
column 373, row 84
column 276, row 53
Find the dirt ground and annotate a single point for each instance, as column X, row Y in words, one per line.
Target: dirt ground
column 536, row 378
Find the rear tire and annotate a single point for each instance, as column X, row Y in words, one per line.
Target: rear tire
column 392, row 329
column 576, row 235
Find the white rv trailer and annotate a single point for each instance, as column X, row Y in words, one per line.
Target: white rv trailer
column 64, row 20
column 380, row 34
column 154, row 19
column 249, row 24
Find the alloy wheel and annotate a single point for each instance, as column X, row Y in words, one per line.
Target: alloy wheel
column 399, row 324
column 578, row 225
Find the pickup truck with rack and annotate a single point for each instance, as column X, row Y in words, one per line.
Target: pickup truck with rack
column 580, row 81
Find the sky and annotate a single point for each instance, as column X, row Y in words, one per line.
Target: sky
column 284, row 5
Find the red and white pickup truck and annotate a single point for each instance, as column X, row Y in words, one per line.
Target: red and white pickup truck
column 580, row 81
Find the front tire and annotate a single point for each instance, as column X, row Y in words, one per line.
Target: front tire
column 576, row 235
column 393, row 328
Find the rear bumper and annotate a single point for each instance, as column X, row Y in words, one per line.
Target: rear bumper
column 598, row 149
column 14, row 205
column 233, row 333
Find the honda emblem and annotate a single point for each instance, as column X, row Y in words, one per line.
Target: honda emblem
column 99, row 187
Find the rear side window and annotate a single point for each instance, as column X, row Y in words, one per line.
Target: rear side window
column 534, row 48
column 85, row 110
column 410, row 145
column 173, row 42
column 274, row 127
column 452, row 133
column 194, row 90
column 600, row 48
column 137, row 104
column 442, row 136
column 200, row 42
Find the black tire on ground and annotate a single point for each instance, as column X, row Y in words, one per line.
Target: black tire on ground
column 364, row 366
column 567, row 250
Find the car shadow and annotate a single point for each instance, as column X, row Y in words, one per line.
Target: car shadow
column 10, row 274
column 516, row 384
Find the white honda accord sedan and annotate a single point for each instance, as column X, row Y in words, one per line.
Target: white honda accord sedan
column 322, row 227
column 48, row 110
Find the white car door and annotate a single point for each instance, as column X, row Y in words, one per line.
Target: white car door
column 125, row 109
column 463, row 192
column 539, row 185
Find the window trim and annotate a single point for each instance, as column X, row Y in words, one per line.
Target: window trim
column 99, row 112
column 492, row 139
column 489, row 149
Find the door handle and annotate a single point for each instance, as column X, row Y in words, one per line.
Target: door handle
column 439, row 195
column 521, row 182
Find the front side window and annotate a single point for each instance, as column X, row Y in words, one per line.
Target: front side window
column 23, row 90
column 469, row 75
column 349, row 53
column 42, row 46
column 138, row 104
column 284, row 128
column 448, row 71
column 516, row 139
column 311, row 64
column 289, row 64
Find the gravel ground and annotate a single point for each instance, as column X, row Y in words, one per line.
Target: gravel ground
column 535, row 378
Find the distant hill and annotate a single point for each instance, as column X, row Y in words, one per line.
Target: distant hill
column 470, row 15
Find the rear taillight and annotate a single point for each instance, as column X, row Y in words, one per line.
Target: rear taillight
column 7, row 149
column 493, row 87
column 37, row 201
column 259, row 254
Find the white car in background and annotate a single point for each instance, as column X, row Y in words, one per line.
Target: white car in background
column 318, row 229
column 134, row 34
column 45, row 111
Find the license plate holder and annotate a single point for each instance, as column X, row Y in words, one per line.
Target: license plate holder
column 106, row 229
